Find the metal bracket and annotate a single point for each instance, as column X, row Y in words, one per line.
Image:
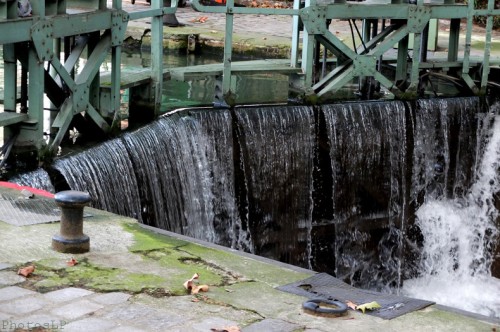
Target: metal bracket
column 365, row 65
column 314, row 19
column 119, row 22
column 80, row 98
column 418, row 17
column 42, row 36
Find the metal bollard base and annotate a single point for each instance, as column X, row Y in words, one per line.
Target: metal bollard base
column 71, row 246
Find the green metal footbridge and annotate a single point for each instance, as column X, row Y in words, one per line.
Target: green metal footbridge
column 41, row 54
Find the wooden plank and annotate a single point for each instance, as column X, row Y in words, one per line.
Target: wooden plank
column 8, row 118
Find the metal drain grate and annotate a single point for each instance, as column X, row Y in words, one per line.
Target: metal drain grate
column 22, row 212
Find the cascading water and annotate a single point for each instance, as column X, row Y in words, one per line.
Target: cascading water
column 277, row 148
column 368, row 161
column 459, row 238
column 39, row 179
column 105, row 171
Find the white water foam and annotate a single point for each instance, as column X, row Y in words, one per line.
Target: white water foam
column 458, row 239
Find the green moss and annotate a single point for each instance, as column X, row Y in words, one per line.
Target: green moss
column 49, row 276
column 214, row 265
column 146, row 241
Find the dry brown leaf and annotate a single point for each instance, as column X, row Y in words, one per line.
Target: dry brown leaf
column 351, row 305
column 189, row 284
column 72, row 262
column 26, row 271
column 201, row 288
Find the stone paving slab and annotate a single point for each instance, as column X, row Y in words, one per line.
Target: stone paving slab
column 8, row 278
column 90, row 324
column 111, row 298
column 14, row 292
column 66, row 294
column 24, row 305
column 76, row 309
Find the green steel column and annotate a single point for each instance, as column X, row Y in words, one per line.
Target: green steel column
column 10, row 85
column 468, row 38
column 96, row 82
column 228, row 48
column 454, row 39
column 38, row 7
column 157, row 55
column 10, row 77
column 415, row 65
column 487, row 48
column 294, row 58
column 308, row 52
column 402, row 65
column 116, row 58
column 32, row 134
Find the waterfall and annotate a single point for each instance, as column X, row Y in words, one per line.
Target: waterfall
column 277, row 148
column 368, row 162
column 459, row 238
column 106, row 173
column 38, row 179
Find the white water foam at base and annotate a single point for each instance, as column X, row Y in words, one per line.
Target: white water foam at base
column 458, row 239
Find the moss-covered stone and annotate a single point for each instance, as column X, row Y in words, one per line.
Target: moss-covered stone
column 49, row 276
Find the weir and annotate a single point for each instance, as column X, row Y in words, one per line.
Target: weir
column 337, row 188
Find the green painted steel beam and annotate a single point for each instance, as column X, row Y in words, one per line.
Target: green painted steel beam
column 392, row 39
column 137, row 15
column 196, row 5
column 10, row 118
column 338, row 82
column 15, row 31
column 91, row 67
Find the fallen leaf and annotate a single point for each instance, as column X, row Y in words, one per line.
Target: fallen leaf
column 201, row 288
column 368, row 306
column 72, row 262
column 351, row 305
column 26, row 271
column 195, row 299
column 228, row 290
column 189, row 284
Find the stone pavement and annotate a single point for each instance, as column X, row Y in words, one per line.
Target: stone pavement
column 131, row 280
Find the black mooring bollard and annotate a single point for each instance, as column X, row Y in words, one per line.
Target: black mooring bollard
column 71, row 238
